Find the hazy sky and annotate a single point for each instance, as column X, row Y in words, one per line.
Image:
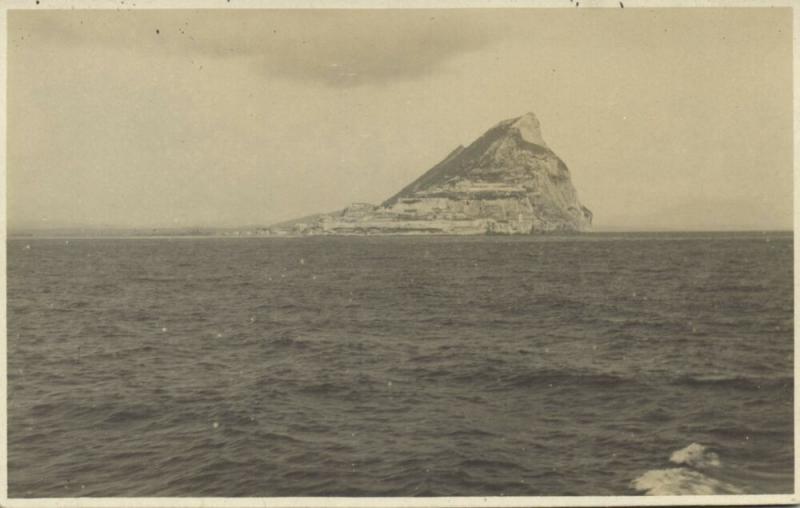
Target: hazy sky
column 667, row 118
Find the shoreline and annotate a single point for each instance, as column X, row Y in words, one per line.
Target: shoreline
column 562, row 235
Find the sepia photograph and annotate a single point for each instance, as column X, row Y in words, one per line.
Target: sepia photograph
column 477, row 255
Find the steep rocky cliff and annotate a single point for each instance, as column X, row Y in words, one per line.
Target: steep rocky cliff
column 506, row 182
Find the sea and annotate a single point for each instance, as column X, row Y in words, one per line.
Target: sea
column 597, row 364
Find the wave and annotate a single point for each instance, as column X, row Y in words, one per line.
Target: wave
column 738, row 382
column 156, row 279
column 695, row 478
column 695, row 455
column 487, row 464
column 130, row 415
column 681, row 481
column 551, row 378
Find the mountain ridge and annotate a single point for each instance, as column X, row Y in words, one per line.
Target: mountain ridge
column 507, row 181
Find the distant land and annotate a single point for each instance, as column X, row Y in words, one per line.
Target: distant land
column 262, row 232
column 111, row 231
column 506, row 182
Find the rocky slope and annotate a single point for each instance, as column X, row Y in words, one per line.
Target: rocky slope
column 506, row 182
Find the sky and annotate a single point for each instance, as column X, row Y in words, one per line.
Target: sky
column 667, row 118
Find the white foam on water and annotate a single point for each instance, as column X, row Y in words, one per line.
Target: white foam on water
column 695, row 455
column 681, row 481
column 686, row 480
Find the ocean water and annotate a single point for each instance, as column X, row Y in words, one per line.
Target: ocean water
column 401, row 366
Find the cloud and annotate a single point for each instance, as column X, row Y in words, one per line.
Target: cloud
column 336, row 48
column 370, row 47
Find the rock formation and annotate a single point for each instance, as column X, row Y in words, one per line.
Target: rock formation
column 506, row 182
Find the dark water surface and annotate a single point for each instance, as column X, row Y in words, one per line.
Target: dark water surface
column 400, row 366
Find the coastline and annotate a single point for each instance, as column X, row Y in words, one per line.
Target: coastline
column 543, row 235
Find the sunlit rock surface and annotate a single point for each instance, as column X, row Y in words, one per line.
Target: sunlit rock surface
column 506, row 182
